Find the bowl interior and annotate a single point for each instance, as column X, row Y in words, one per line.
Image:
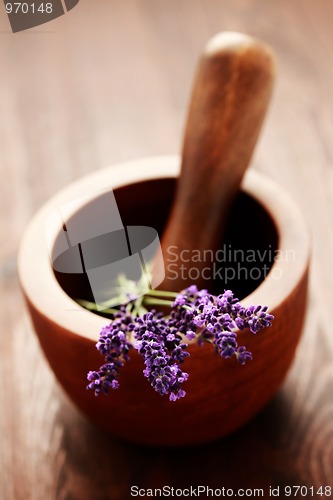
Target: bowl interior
column 246, row 253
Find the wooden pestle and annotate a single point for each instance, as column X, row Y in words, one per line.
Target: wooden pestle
column 231, row 93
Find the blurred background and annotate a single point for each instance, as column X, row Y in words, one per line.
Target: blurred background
column 110, row 81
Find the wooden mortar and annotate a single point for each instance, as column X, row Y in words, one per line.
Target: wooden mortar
column 221, row 395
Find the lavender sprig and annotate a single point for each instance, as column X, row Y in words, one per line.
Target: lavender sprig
column 195, row 315
column 114, row 345
column 162, row 352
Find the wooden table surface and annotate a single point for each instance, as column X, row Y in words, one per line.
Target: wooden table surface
column 110, row 81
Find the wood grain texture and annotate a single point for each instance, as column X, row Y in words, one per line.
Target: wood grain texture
column 100, row 86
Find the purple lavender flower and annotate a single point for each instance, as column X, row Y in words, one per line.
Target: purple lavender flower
column 113, row 341
column 162, row 350
column 254, row 317
column 228, row 303
column 115, row 347
column 105, row 378
column 195, row 315
column 226, row 344
column 212, row 319
column 189, row 296
column 190, row 335
column 243, row 355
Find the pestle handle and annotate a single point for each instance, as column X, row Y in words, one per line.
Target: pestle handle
column 231, row 94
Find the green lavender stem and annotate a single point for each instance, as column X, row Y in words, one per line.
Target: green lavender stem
column 91, row 306
column 161, row 293
column 150, row 298
column 156, row 302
